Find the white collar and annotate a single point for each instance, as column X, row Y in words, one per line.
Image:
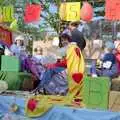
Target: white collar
column 74, row 43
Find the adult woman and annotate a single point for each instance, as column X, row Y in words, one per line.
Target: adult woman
column 18, row 48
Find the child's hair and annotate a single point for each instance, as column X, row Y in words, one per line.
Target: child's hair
column 36, row 49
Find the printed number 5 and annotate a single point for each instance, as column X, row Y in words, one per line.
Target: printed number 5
column 73, row 11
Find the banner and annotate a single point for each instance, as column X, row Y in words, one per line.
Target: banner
column 112, row 10
column 5, row 36
column 70, row 11
column 6, row 14
column 96, row 92
column 32, row 13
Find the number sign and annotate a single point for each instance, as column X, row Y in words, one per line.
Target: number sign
column 6, row 14
column 112, row 10
column 70, row 11
column 96, row 92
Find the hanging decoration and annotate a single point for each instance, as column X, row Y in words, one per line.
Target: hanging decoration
column 70, row 11
column 5, row 36
column 6, row 13
column 14, row 25
column 112, row 9
column 86, row 12
column 32, row 13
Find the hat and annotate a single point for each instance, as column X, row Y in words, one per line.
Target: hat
column 110, row 45
column 78, row 37
column 19, row 38
column 116, row 43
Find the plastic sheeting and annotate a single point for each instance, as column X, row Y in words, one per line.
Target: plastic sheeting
column 56, row 113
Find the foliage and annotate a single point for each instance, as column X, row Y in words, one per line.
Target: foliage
column 50, row 19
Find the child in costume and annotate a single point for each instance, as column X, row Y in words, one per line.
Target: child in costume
column 74, row 64
column 107, row 65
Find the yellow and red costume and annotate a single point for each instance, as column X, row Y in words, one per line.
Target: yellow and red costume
column 39, row 104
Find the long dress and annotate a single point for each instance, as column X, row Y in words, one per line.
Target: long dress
column 39, row 104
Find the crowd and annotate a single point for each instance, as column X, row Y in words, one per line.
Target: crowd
column 52, row 77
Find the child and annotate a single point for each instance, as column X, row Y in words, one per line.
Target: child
column 108, row 65
column 39, row 55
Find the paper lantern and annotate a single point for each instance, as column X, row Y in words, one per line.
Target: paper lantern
column 86, row 12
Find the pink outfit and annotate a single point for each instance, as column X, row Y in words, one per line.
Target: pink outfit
column 118, row 61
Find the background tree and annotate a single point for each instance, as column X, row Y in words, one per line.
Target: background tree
column 50, row 19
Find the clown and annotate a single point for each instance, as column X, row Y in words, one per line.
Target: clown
column 73, row 63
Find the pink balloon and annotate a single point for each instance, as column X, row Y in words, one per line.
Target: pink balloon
column 86, row 12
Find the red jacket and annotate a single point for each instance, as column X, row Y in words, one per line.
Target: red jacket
column 118, row 61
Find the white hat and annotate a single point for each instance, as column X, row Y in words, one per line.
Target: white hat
column 116, row 43
column 19, row 38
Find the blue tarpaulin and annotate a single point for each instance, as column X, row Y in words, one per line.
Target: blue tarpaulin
column 57, row 112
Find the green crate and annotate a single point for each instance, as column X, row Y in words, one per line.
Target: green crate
column 10, row 63
column 96, row 92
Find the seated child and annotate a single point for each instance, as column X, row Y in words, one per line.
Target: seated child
column 54, row 80
column 107, row 65
column 38, row 55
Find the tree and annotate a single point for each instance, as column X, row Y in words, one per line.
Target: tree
column 50, row 19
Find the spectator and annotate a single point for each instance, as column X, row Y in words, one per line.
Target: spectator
column 39, row 55
column 18, row 48
column 108, row 65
